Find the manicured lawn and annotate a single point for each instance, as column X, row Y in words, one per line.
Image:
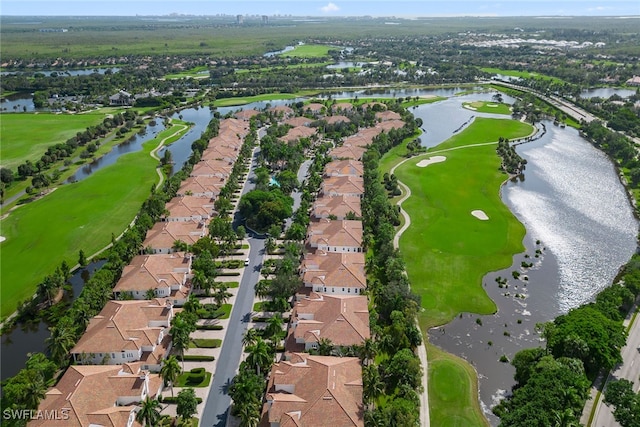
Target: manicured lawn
column 453, row 391
column 77, row 216
column 488, row 107
column 226, row 310
column 446, row 249
column 205, row 343
column 229, row 102
column 308, row 51
column 27, row 136
column 523, row 74
column 184, row 380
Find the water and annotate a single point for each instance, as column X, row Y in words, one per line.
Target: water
column 572, row 201
column 17, row 103
column 442, row 119
column 129, row 146
column 606, row 92
column 31, row 338
column 345, row 64
column 278, row 52
column 62, row 73
column 181, row 149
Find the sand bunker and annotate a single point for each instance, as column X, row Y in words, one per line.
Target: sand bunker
column 431, row 160
column 2, row 238
column 480, row 215
column 492, row 105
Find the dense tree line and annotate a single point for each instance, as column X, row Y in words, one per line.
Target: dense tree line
column 553, row 382
column 398, row 377
column 25, row 390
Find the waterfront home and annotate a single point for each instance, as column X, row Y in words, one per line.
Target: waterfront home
column 125, row 332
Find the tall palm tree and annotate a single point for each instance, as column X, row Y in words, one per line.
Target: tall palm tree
column 274, row 328
column 149, row 413
column 170, row 371
column 368, row 351
column 325, row 346
column 259, row 356
column 250, row 337
column 180, row 337
column 249, row 415
column 372, row 385
column 34, row 390
column 61, row 341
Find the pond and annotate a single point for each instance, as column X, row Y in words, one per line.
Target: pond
column 571, row 200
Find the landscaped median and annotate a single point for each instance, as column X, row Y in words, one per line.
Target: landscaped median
column 83, row 215
column 460, row 230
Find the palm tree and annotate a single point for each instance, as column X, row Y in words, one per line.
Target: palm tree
column 149, row 413
column 200, row 281
column 249, row 415
column 274, row 328
column 324, row 347
column 61, row 341
column 180, row 336
column 250, row 337
column 372, row 385
column 170, row 371
column 34, row 390
column 368, row 351
column 259, row 356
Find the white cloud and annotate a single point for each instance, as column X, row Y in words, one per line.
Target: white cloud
column 598, row 9
column 331, row 7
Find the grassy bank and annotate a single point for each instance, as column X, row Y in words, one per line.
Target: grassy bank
column 448, row 250
column 27, row 136
column 76, row 216
column 230, row 102
column 453, row 389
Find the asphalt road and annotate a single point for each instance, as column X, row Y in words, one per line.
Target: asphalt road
column 218, row 401
column 629, row 369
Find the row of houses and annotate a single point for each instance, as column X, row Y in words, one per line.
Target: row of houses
column 117, row 360
column 312, row 390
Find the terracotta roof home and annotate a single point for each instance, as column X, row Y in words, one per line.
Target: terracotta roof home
column 187, row 208
column 337, row 119
column 633, row 81
column 209, row 168
column 314, row 108
column 125, row 332
column 201, row 186
column 281, row 111
column 162, row 236
column 234, row 127
column 165, row 274
column 388, row 115
column 335, row 236
column 342, row 106
column 299, row 132
column 347, row 167
column 347, row 152
column 368, row 105
column 342, row 186
column 298, row 121
column 220, row 152
column 338, row 206
column 334, row 273
column 314, row 391
column 246, row 114
column 342, row 319
column 391, row 124
column 97, row 396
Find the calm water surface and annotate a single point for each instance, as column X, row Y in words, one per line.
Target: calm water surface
column 572, row 201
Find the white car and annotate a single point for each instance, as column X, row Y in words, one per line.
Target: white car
column 246, row 262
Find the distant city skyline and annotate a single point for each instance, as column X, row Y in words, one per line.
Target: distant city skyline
column 402, row 8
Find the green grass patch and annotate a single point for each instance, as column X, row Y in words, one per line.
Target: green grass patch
column 27, row 136
column 197, row 377
column 205, row 343
column 75, row 216
column 201, row 71
column 453, row 391
column 521, row 74
column 446, row 249
column 308, row 51
column 209, row 327
column 242, row 100
column 196, row 358
column 225, row 309
column 488, row 107
column 420, row 101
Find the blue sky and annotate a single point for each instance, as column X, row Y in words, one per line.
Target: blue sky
column 324, row 8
